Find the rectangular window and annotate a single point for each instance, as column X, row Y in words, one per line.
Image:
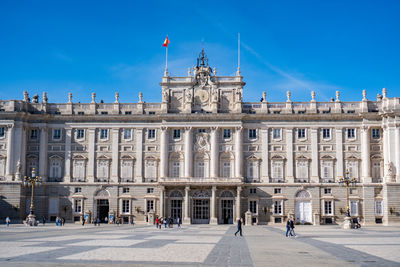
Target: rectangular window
column 2, row 131
column 376, row 170
column 150, row 190
column 253, row 190
column 128, row 112
column 376, row 134
column 378, row 208
column 103, row 133
column 226, row 169
column 57, row 134
column 277, row 190
column 177, row 133
column 327, row 169
column 302, row 170
column 277, row 133
column 202, row 130
column 301, row 133
column 354, row 208
column 277, row 170
column 326, row 133
column 125, row 190
column 78, row 205
column 150, row 205
column 80, row 134
column 253, row 206
column 326, row 111
column 301, row 112
column 352, row 167
column 200, row 170
column 34, row 134
column 351, row 111
column 78, row 189
column 127, row 134
column 125, row 206
column 175, row 169
column 278, row 207
column 227, row 133
column 151, row 134
column 104, row 113
column 327, row 191
column 351, row 133
column 328, row 207
column 81, row 113
column 277, row 112
column 252, row 133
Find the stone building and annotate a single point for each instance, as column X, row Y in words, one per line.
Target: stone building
column 203, row 155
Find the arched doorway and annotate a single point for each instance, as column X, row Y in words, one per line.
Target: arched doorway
column 102, row 205
column 303, row 210
column 201, row 207
column 226, row 214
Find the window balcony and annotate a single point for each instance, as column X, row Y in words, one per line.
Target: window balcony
column 377, row 180
column 78, row 180
column 101, row 180
column 277, row 180
column 126, row 180
column 301, row 180
column 252, row 180
column 149, row 180
column 54, row 180
column 327, row 180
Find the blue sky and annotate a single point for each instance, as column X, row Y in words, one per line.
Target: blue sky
column 108, row 46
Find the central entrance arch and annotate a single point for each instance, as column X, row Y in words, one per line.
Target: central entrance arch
column 303, row 210
column 201, row 207
column 102, row 205
column 226, row 214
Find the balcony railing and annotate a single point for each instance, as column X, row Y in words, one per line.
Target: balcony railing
column 301, row 180
column 277, row 180
column 327, row 180
column 200, row 180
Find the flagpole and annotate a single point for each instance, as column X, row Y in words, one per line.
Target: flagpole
column 166, row 61
column 238, row 68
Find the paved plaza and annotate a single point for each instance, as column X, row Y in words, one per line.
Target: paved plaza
column 197, row 245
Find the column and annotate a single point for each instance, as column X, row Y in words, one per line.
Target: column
column 67, row 162
column 139, row 155
column 17, row 153
column 23, row 153
column 314, row 155
column 339, row 153
column 43, row 153
column 115, row 155
column 289, row 155
column 265, row 155
column 164, row 153
column 10, row 152
column 238, row 203
column 397, row 143
column 365, row 155
column 91, row 159
column 213, row 219
column 239, row 152
column 162, row 190
column 188, row 152
column 186, row 215
column 214, row 153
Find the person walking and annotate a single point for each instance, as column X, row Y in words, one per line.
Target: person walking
column 8, row 221
column 106, row 219
column 165, row 222
column 63, row 221
column 157, row 222
column 239, row 227
column 288, row 227
column 98, row 221
column 292, row 233
column 178, row 222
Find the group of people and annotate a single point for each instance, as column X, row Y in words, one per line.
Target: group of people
column 290, row 228
column 60, row 221
column 167, row 221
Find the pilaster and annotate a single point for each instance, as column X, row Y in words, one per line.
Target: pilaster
column 238, row 202
column 339, row 153
column 213, row 219
column 91, row 159
column 365, row 155
column 397, row 144
column 289, row 155
column 214, row 153
column 139, row 155
column 186, row 215
column 10, row 152
column 67, row 167
column 164, row 153
column 314, row 155
column 115, row 155
column 162, row 194
column 239, row 152
column 265, row 155
column 43, row 153
column 188, row 152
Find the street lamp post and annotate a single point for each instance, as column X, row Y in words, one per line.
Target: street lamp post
column 348, row 182
column 32, row 181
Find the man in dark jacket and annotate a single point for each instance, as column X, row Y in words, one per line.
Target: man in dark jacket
column 239, row 227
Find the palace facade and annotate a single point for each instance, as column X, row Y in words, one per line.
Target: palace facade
column 203, row 155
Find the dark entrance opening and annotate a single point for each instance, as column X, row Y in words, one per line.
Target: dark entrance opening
column 227, row 211
column 102, row 209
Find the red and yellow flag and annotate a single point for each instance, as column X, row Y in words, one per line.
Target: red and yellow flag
column 166, row 42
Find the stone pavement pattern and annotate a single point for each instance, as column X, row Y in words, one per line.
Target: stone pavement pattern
column 197, row 245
